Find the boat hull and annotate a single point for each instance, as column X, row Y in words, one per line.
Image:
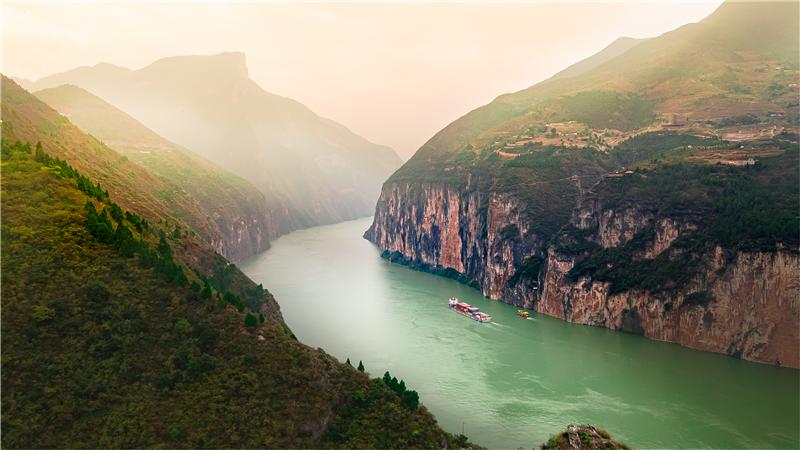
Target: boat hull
column 459, row 308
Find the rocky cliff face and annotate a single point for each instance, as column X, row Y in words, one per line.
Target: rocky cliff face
column 479, row 235
column 245, row 235
column 743, row 304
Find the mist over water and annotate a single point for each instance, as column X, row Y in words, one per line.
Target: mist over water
column 515, row 382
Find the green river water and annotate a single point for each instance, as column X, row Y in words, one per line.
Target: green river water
column 514, row 382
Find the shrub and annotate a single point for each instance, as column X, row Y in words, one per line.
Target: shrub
column 42, row 313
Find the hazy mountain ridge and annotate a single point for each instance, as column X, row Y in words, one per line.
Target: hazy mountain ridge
column 635, row 195
column 713, row 68
column 320, row 170
column 240, row 221
column 28, row 120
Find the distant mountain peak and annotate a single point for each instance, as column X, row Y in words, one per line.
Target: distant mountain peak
column 226, row 64
column 208, row 103
column 108, row 66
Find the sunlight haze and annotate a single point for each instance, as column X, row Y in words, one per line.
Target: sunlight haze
column 393, row 73
column 245, row 224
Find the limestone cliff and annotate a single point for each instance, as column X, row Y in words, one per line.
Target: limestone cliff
column 245, row 234
column 643, row 193
column 741, row 303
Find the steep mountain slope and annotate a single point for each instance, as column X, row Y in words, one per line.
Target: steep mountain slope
column 653, row 193
column 156, row 202
column 740, row 60
column 109, row 343
column 166, row 186
column 236, row 219
column 614, row 49
column 322, row 171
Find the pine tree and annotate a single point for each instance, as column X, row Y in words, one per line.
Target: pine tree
column 104, row 230
column 411, row 399
column 348, row 362
column 163, row 247
column 39, row 155
column 360, row 366
column 206, row 293
column 124, row 240
column 116, row 213
column 91, row 217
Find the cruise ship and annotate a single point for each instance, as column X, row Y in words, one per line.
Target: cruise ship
column 465, row 309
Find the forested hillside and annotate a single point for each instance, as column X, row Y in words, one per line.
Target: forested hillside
column 111, row 341
column 224, row 210
column 122, row 327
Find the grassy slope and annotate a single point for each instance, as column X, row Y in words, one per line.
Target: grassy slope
column 216, row 192
column 616, row 48
column 100, row 351
column 172, row 182
column 28, row 119
column 698, row 70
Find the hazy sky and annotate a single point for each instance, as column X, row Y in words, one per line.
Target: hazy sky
column 393, row 72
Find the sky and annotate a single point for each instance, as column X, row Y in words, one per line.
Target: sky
column 395, row 73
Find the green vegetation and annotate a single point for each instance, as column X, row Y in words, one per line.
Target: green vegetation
column 583, row 437
column 749, row 208
column 102, row 350
column 692, row 81
column 155, row 178
column 739, row 208
column 410, row 398
column 697, row 75
column 86, row 186
column 529, row 269
column 398, row 258
column 659, row 145
column 609, row 109
column 699, row 298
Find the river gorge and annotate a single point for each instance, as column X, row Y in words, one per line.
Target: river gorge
column 514, row 382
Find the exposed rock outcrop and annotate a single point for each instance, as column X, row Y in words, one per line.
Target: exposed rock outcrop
column 583, row 437
column 743, row 304
column 241, row 236
column 479, row 235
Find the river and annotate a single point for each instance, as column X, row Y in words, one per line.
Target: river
column 514, row 382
